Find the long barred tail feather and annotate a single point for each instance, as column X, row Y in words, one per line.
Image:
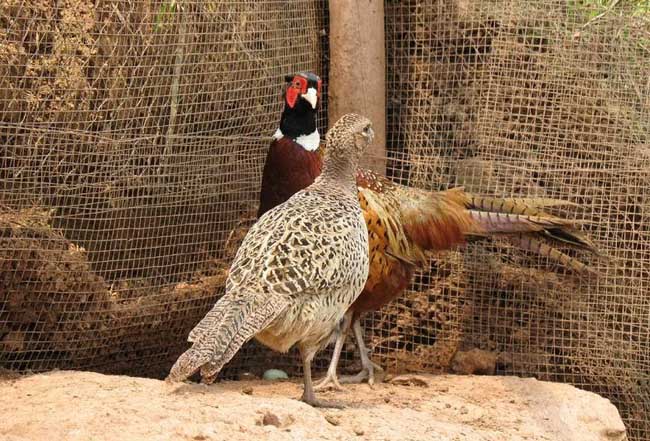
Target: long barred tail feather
column 234, row 320
column 525, row 224
column 495, row 222
column 537, row 246
column 525, row 206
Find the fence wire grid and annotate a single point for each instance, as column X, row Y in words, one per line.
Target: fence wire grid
column 134, row 134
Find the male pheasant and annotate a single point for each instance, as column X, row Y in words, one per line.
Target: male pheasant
column 403, row 222
column 297, row 271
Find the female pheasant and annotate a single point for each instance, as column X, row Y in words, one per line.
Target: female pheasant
column 297, row 271
column 403, row 222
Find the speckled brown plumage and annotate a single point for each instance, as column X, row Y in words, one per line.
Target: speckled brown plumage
column 297, row 271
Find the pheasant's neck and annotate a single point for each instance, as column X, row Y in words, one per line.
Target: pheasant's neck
column 309, row 142
column 299, row 124
column 340, row 171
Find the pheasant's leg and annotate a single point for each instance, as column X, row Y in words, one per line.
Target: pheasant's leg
column 331, row 379
column 308, row 395
column 368, row 367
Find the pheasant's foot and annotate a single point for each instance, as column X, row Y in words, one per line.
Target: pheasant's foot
column 362, row 376
column 330, row 381
column 308, row 395
column 315, row 402
column 372, row 373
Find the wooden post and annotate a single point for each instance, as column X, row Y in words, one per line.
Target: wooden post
column 357, row 76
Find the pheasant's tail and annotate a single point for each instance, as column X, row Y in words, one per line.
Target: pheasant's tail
column 524, row 206
column 207, row 323
column 527, row 242
column 191, row 360
column 234, row 320
column 525, row 224
column 573, row 238
column 435, row 221
column 516, row 215
column 486, row 222
column 188, row 363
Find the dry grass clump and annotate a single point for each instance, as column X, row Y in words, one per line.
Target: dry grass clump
column 47, row 290
column 55, row 312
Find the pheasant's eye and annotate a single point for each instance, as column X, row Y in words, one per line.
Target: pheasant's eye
column 300, row 84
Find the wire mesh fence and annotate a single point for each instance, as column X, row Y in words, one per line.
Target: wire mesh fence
column 134, row 135
column 532, row 99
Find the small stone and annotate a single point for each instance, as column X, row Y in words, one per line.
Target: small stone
column 410, row 380
column 463, row 410
column 617, row 434
column 448, row 406
column 333, row 420
column 247, row 376
column 247, row 390
column 358, row 432
column 270, row 419
column 386, row 399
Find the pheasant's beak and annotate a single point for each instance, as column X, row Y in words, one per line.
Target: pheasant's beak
column 311, row 97
column 371, row 135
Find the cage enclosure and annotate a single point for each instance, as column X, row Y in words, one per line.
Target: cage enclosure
column 134, row 135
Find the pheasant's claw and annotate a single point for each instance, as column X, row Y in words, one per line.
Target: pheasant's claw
column 309, row 397
column 328, row 382
column 370, row 373
column 315, row 402
column 362, row 376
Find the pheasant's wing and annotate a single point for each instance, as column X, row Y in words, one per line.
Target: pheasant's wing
column 304, row 246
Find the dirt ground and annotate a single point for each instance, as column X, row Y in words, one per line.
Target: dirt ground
column 68, row 405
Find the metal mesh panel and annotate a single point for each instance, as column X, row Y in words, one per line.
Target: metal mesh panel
column 527, row 98
column 133, row 137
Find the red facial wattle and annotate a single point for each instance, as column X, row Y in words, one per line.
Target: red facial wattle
column 297, row 87
column 291, row 96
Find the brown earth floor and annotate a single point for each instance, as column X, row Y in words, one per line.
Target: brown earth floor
column 85, row 406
